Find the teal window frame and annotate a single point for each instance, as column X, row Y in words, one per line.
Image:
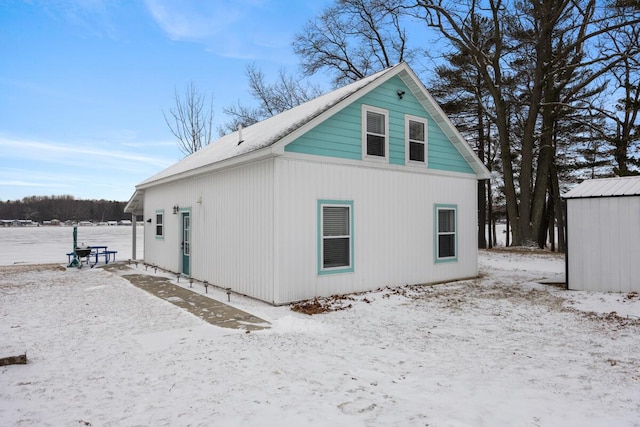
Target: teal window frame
column 321, row 238
column 159, row 214
column 437, row 233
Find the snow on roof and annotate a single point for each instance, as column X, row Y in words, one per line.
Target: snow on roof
column 606, row 187
column 264, row 133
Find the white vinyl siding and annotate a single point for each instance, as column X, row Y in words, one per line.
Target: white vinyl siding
column 159, row 224
column 335, row 236
column 392, row 230
column 415, row 139
column 446, row 234
column 375, row 133
column 231, row 222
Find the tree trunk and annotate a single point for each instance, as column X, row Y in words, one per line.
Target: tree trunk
column 551, row 220
column 539, row 199
column 511, row 198
column 507, row 233
column 482, row 185
column 559, row 211
column 492, row 221
column 482, row 214
column 541, row 237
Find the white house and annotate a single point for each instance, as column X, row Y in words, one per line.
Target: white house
column 603, row 235
column 364, row 187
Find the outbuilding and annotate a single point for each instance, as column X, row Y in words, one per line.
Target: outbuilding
column 367, row 186
column 603, row 235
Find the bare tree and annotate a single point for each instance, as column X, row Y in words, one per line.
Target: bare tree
column 272, row 98
column 191, row 120
column 545, row 44
column 353, row 39
column 537, row 62
column 623, row 133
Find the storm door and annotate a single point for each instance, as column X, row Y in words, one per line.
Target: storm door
column 185, row 246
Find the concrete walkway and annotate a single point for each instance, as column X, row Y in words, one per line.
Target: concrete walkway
column 208, row 309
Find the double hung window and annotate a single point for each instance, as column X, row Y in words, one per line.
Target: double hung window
column 375, row 132
column 446, row 232
column 416, row 139
column 335, row 229
column 159, row 224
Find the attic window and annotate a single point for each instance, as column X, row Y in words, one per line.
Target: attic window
column 415, row 139
column 375, row 132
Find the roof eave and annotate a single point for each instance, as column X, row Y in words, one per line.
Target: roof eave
column 279, row 146
column 431, row 106
column 135, row 204
column 250, row 157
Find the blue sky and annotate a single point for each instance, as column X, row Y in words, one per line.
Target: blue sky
column 83, row 83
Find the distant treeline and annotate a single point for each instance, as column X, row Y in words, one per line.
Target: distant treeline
column 63, row 208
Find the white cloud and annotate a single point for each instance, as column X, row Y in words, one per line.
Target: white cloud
column 93, row 17
column 47, row 151
column 243, row 29
column 85, row 170
column 192, row 19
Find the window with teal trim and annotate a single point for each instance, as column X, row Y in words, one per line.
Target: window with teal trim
column 446, row 233
column 159, row 224
column 335, row 235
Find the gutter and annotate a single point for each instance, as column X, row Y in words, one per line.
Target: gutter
column 253, row 156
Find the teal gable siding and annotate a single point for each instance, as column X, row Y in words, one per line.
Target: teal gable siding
column 340, row 135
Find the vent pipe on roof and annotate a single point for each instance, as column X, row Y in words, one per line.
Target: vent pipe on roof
column 240, row 140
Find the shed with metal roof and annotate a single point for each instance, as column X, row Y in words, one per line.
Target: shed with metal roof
column 603, row 235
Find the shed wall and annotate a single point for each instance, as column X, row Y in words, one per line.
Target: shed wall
column 393, row 227
column 603, row 236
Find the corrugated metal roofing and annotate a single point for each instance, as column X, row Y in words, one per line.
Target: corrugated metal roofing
column 606, row 187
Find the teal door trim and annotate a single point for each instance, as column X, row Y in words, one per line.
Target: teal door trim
column 185, row 242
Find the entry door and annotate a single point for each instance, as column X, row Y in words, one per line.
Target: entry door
column 186, row 243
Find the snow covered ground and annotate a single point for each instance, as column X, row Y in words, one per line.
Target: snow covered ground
column 501, row 350
column 29, row 245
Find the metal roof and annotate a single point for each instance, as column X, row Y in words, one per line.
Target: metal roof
column 606, row 187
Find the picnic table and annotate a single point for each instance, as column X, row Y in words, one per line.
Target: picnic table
column 95, row 253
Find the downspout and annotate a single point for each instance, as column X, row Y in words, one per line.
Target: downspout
column 134, row 237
